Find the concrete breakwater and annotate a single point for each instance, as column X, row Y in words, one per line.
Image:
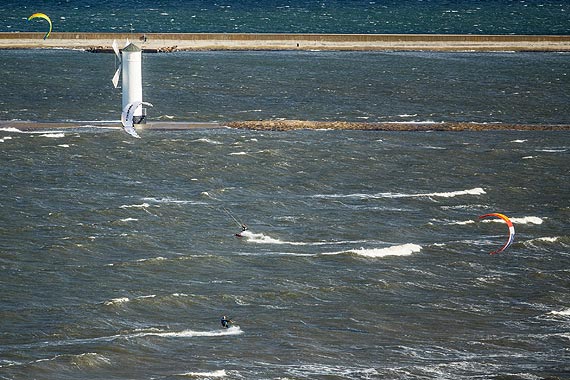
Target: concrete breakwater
column 168, row 42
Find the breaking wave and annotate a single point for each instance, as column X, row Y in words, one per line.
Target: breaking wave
column 396, row 250
column 207, row 375
column 475, row 191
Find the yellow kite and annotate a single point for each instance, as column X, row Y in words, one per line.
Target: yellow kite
column 45, row 17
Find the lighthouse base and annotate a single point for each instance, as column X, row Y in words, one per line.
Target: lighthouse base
column 140, row 119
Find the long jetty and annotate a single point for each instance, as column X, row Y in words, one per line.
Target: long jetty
column 170, row 42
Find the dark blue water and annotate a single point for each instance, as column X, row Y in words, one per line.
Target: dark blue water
column 294, row 16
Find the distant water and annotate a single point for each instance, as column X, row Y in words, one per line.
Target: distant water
column 294, row 16
column 58, row 85
column 364, row 259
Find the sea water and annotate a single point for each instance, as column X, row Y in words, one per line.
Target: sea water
column 364, row 258
column 293, row 16
column 516, row 88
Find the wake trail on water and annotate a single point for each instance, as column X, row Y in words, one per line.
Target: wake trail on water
column 232, row 331
column 260, row 238
column 396, row 250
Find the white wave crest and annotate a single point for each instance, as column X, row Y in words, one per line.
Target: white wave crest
column 53, row 135
column 208, row 375
column 117, row 301
column 129, row 220
column 561, row 313
column 451, row 194
column 527, row 220
column 89, row 359
column 10, row 129
column 462, row 222
column 206, row 140
column 548, row 239
column 553, row 150
column 264, row 239
column 396, row 250
column 143, row 205
column 168, row 200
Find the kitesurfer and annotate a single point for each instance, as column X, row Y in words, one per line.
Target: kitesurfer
column 226, row 322
column 243, row 229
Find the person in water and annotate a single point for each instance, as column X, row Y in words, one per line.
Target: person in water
column 226, row 322
column 243, row 229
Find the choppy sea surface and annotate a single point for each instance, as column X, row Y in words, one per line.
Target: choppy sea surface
column 293, row 16
column 364, row 258
column 63, row 85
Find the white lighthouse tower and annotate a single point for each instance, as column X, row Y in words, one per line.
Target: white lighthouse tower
column 131, row 63
column 132, row 105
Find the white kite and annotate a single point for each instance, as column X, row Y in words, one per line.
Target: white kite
column 127, row 117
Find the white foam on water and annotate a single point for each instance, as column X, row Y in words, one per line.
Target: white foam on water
column 129, row 220
column 89, row 360
column 11, row 129
column 519, row 141
column 143, row 206
column 234, row 330
column 553, row 150
column 265, row 239
column 548, row 239
column 214, row 374
column 527, row 220
column 396, row 250
column 541, row 242
column 117, row 301
column 168, row 200
column 158, row 258
column 528, row 157
column 561, row 313
column 462, row 222
column 451, row 194
column 317, row 370
column 53, row 135
column 208, row 141
column 521, row 220
column 261, row 238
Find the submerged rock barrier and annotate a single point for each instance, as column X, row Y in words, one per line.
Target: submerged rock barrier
column 287, row 125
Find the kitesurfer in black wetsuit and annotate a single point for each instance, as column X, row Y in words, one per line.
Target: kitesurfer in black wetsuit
column 226, row 322
column 243, row 229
